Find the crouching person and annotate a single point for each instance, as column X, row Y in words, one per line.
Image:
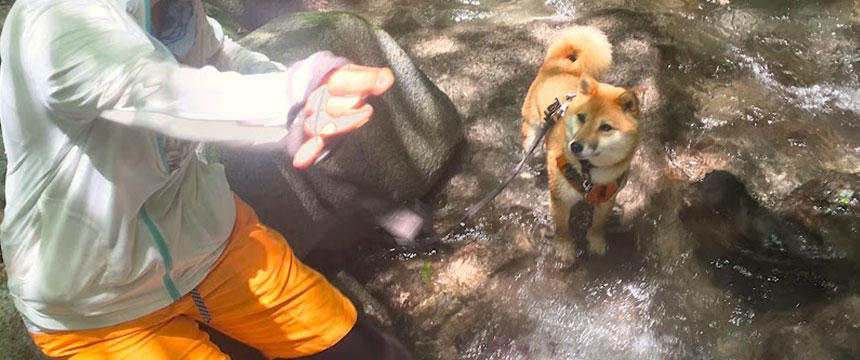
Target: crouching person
column 117, row 240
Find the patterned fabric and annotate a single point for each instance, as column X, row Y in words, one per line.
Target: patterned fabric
column 201, row 306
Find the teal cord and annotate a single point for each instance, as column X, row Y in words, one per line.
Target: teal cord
column 164, row 251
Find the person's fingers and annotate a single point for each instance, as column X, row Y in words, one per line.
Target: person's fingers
column 308, row 152
column 340, row 105
column 356, row 80
column 328, row 129
column 384, row 81
column 348, row 121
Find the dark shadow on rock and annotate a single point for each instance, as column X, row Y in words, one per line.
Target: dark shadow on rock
column 621, row 257
column 682, row 108
column 770, row 260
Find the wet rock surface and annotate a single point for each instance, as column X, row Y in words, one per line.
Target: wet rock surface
column 829, row 205
column 751, row 88
column 829, row 331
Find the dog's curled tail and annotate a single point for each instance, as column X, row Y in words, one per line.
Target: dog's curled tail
column 581, row 50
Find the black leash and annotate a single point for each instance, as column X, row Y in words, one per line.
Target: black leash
column 552, row 114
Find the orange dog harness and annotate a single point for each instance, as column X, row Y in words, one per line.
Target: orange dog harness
column 592, row 193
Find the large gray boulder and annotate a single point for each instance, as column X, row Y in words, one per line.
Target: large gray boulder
column 400, row 154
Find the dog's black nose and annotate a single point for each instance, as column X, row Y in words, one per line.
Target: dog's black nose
column 575, row 147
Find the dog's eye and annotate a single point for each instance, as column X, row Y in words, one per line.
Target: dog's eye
column 572, row 57
column 581, row 118
column 605, row 127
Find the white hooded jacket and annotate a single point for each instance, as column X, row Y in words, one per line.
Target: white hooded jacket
column 110, row 215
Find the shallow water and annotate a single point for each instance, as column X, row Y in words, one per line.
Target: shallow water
column 768, row 90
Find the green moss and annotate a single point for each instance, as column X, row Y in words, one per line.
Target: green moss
column 841, row 203
column 231, row 26
column 326, row 18
column 426, row 273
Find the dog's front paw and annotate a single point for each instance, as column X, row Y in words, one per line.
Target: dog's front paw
column 596, row 243
column 565, row 251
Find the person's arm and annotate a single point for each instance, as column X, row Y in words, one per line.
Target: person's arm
column 87, row 63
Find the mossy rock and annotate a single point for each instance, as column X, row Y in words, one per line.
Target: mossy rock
column 252, row 14
column 231, row 27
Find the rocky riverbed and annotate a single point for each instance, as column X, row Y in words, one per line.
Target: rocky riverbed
column 766, row 90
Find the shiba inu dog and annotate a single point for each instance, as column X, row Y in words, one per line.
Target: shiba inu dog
column 588, row 151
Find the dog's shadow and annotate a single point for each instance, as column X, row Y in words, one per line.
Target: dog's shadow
column 621, row 256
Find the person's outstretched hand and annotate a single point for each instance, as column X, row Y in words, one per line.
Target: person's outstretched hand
column 338, row 106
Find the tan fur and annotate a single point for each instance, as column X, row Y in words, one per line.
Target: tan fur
column 611, row 151
column 558, row 74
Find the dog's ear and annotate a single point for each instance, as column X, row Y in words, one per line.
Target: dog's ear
column 629, row 103
column 587, row 85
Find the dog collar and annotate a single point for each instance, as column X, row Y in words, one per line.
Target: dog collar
column 592, row 193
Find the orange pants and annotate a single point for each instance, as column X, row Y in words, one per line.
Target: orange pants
column 258, row 293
